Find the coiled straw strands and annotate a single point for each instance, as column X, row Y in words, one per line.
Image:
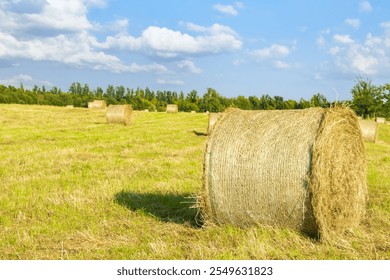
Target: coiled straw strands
column 369, row 130
column 97, row 104
column 119, row 114
column 302, row 169
column 172, row 108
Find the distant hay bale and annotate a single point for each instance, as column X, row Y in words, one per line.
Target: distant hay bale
column 146, row 110
column 70, row 106
column 119, row 114
column 193, row 112
column 172, row 108
column 369, row 130
column 97, row 104
column 380, row 120
column 213, row 118
column 302, row 169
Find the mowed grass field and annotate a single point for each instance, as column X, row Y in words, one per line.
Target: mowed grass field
column 74, row 187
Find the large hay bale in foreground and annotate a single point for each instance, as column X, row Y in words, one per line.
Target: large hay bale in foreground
column 119, row 114
column 380, row 120
column 369, row 130
column 213, row 118
column 302, row 169
column 172, row 108
column 97, row 104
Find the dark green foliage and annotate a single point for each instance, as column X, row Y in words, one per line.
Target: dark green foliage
column 368, row 99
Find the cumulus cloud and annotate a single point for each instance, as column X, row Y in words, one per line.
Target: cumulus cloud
column 26, row 80
column 168, row 43
column 188, row 65
column 226, row 9
column 275, row 51
column 54, row 15
column 280, row 64
column 71, row 43
column 321, row 39
column 69, row 49
column 344, row 39
column 273, row 55
column 365, row 6
column 354, row 22
column 60, row 31
column 230, row 10
column 370, row 57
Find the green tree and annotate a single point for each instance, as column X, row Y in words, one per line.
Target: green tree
column 211, row 101
column 366, row 98
column 242, row 102
column 318, row 100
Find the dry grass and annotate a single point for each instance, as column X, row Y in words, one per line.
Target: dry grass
column 73, row 187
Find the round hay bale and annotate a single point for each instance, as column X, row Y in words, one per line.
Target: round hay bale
column 302, row 169
column 70, row 106
column 119, row 114
column 213, row 118
column 146, row 110
column 172, row 108
column 97, row 104
column 380, row 120
column 193, row 112
column 369, row 130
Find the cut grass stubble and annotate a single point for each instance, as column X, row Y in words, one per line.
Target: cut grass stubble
column 74, row 187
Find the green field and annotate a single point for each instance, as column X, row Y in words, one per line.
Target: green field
column 74, row 187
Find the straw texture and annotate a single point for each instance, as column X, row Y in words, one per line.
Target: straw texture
column 380, row 120
column 172, row 108
column 369, row 130
column 302, row 169
column 213, row 118
column 119, row 114
column 97, row 104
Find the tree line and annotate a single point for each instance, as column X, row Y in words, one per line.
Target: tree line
column 368, row 99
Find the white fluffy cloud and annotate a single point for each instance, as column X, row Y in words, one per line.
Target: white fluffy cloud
column 275, row 51
column 168, row 43
column 354, row 22
column 365, row 6
column 189, row 66
column 26, row 80
column 370, row 57
column 230, row 10
column 73, row 49
column 226, row 9
column 344, row 39
column 273, row 55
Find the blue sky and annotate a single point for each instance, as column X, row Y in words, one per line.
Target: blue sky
column 292, row 49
